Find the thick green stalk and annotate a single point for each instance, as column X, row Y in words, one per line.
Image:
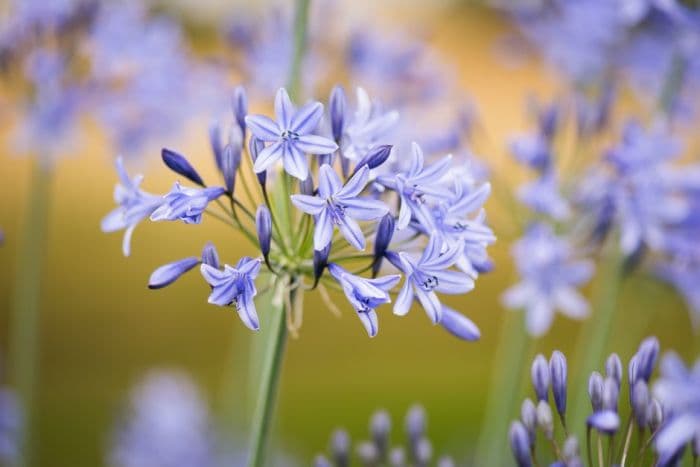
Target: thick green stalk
column 269, row 380
column 513, row 351
column 301, row 21
column 595, row 332
column 26, row 302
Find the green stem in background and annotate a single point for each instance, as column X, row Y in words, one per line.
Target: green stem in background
column 301, row 21
column 269, row 379
column 595, row 332
column 513, row 351
column 26, row 301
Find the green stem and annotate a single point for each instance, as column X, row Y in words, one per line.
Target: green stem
column 269, row 381
column 25, row 308
column 513, row 350
column 595, row 332
column 301, row 21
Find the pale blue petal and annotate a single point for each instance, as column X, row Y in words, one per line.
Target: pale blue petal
column 430, row 303
column 404, row 299
column 284, row 109
column 268, row 156
column 307, row 117
column 453, row 282
column 365, row 209
column 313, row 144
column 295, row 162
column 328, row 182
column 356, row 184
column 263, row 128
column 309, row 204
column 323, row 233
column 352, row 233
column 459, row 325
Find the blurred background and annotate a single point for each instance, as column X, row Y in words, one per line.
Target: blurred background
column 101, row 330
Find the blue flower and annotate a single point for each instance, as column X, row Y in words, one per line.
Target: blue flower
column 365, row 294
column 543, row 197
column 339, row 205
column 678, row 390
column 134, row 206
column 369, row 127
column 167, row 424
column 235, row 286
column 549, row 276
column 291, row 136
column 186, row 204
column 417, row 185
column 428, row 275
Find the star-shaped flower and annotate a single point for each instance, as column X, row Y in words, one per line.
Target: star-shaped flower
column 338, row 205
column 291, row 136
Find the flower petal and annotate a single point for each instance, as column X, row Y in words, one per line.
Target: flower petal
column 169, row 273
column 404, row 299
column 247, row 313
column 430, row 303
column 369, row 321
column 284, row 109
column 365, row 209
column 352, row 233
column 295, row 162
column 309, row 204
column 323, row 233
column 328, row 182
column 268, row 156
column 453, row 282
column 306, row 118
column 263, row 128
column 314, row 144
column 356, row 184
column 459, row 325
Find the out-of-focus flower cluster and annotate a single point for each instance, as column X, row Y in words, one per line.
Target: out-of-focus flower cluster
column 110, row 61
column 664, row 414
column 635, row 197
column 312, row 215
column 417, row 449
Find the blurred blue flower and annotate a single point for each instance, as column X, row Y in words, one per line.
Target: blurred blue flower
column 365, row 294
column 11, row 421
column 340, row 205
column 167, row 425
column 550, row 275
column 678, row 390
column 543, row 196
column 292, row 136
column 134, row 205
column 235, row 286
column 186, row 204
column 369, row 126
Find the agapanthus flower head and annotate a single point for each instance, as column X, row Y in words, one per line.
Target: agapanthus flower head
column 381, row 449
column 665, row 416
column 550, row 275
column 437, row 240
column 166, row 424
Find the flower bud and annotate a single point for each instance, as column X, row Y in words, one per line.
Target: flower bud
column 178, row 164
column 374, row 157
column 605, row 421
column 528, row 415
column 571, row 449
column 639, row 399
column 368, row 454
column 558, row 370
column 254, row 148
column 647, row 354
column 397, row 457
column 321, row 261
column 340, row 447
column 540, row 377
column 613, row 368
column 415, row 423
column 459, row 325
column 231, row 159
column 380, row 427
column 655, row 415
column 545, row 420
column 239, row 105
column 632, row 370
column 321, row 461
column 595, row 391
column 306, row 187
column 423, row 452
column 263, row 225
column 337, row 104
column 215, row 142
column 210, row 256
column 520, row 444
column 446, row 461
column 169, row 273
column 385, row 232
column 611, row 392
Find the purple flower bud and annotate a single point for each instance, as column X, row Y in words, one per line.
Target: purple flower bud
column 655, row 415
column 423, row 452
column 210, row 256
column 178, row 164
column 446, row 461
column 374, row 158
column 321, row 461
column 415, row 423
column 613, row 368
column 337, row 104
column 632, row 370
column 540, row 377
column 459, row 325
column 397, row 457
column 385, row 232
column 240, row 107
column 595, row 391
column 570, row 450
column 639, row 399
column 605, row 421
column 647, row 354
column 545, row 420
column 263, row 225
column 230, row 161
column 215, row 142
column 380, row 427
column 169, row 273
column 340, row 448
column 367, row 453
column 254, row 148
column 520, row 444
column 321, row 261
column 528, row 415
column 611, row 392
column 558, row 370
column 306, row 187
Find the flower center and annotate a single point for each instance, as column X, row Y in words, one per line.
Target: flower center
column 336, row 211
column 426, row 282
column 290, row 135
